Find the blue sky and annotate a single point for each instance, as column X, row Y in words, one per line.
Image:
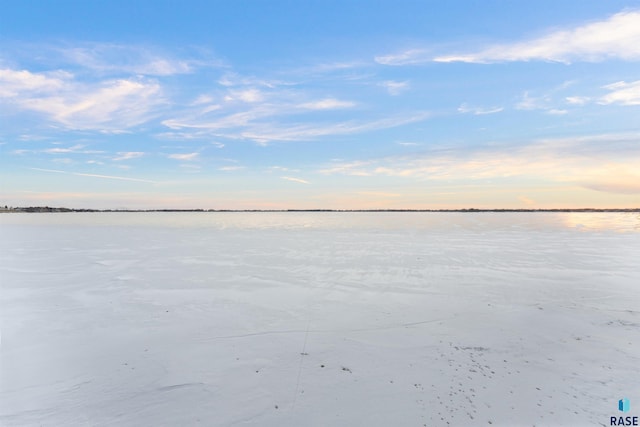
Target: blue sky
column 320, row 104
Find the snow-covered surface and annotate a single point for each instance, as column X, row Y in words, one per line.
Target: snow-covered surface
column 318, row 319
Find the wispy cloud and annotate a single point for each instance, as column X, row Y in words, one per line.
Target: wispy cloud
column 266, row 132
column 184, row 156
column 14, row 83
column 394, row 87
column 231, row 79
column 59, row 150
column 353, row 168
column 202, row 99
column 622, row 93
column 75, row 149
column 93, row 175
column 577, row 100
column 532, row 102
column 113, row 105
column 128, row 155
column 325, row 68
column 478, row 111
column 327, row 104
column 407, row 57
column 292, row 179
column 609, row 162
column 276, row 116
column 230, row 168
column 250, row 95
column 617, row 37
column 111, row 58
column 281, row 169
column 110, row 105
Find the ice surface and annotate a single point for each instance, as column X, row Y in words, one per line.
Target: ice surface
column 318, row 319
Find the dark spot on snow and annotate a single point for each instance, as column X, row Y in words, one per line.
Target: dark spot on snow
column 346, row 369
column 322, row 366
column 474, row 348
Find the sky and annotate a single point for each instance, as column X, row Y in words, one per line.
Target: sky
column 320, row 104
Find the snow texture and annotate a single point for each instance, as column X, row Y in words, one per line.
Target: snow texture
column 318, row 319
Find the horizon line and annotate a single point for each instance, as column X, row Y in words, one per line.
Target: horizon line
column 44, row 209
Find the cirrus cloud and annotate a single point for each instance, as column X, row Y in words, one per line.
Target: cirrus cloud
column 622, row 93
column 14, row 83
column 111, row 105
column 184, row 156
column 478, row 111
column 292, row 179
column 606, row 163
column 128, row 155
column 616, row 37
column 327, row 104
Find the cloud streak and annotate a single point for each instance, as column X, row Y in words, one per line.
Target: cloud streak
column 407, row 57
column 187, row 157
column 128, row 155
column 277, row 118
column 110, row 105
column 14, row 83
column 300, row 132
column 464, row 108
column 93, row 175
column 608, row 163
column 292, row 179
column 395, row 88
column 617, row 37
column 622, row 93
column 112, row 58
column 327, row 104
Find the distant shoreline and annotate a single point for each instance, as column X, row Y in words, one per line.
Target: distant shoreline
column 47, row 209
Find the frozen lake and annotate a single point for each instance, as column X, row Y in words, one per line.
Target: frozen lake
column 318, row 319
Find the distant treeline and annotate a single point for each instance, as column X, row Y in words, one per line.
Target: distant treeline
column 62, row 209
